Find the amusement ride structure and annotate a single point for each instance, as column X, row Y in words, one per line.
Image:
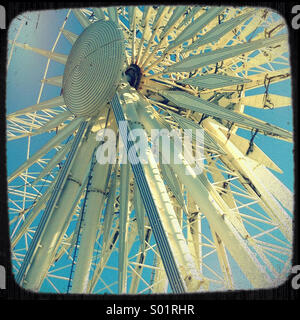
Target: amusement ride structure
column 79, row 225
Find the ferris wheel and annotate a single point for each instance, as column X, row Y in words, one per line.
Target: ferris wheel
column 78, row 225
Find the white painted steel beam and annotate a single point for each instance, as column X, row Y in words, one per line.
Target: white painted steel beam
column 94, row 204
column 245, row 166
column 99, row 13
column 237, row 246
column 55, row 81
column 52, row 123
column 59, row 156
column 83, row 20
column 48, row 104
column 211, row 57
column 197, row 104
column 219, row 31
column 58, row 57
column 140, row 216
column 168, row 216
column 58, row 221
column 55, row 141
column 176, row 281
column 39, row 205
column 71, row 37
column 123, row 227
column 255, row 154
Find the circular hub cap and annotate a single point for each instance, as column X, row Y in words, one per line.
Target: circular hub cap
column 94, row 68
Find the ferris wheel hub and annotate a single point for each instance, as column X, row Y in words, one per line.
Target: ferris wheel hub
column 93, row 68
column 133, row 74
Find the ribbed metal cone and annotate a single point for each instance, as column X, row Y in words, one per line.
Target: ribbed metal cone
column 93, row 69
